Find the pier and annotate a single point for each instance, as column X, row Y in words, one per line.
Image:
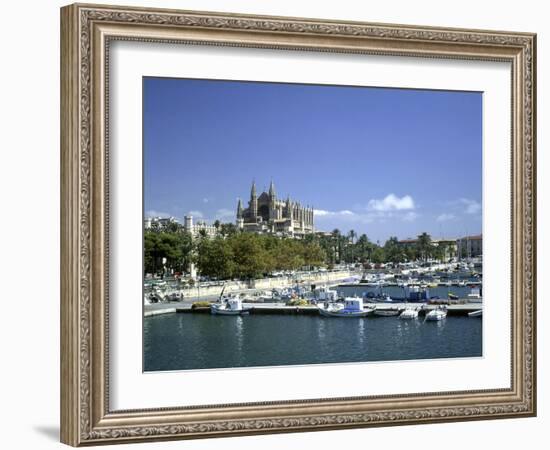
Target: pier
column 461, row 309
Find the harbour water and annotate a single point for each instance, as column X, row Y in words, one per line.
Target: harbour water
column 201, row 341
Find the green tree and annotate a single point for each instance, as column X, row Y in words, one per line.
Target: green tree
column 337, row 245
column 393, row 251
column 351, row 236
column 176, row 247
column 249, row 256
column 228, row 229
column 172, row 227
column 363, row 248
column 214, row 258
column 313, row 254
column 378, row 255
column 424, row 246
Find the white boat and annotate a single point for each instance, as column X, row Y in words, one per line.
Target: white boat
column 478, row 313
column 409, row 313
column 437, row 314
column 352, row 307
column 156, row 296
column 229, row 306
column 386, row 312
column 174, row 297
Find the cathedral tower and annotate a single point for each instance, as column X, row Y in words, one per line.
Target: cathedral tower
column 253, row 201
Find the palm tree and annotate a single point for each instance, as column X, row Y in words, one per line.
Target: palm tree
column 424, row 245
column 352, row 235
column 336, row 237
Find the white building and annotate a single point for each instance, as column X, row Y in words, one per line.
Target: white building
column 159, row 222
column 195, row 229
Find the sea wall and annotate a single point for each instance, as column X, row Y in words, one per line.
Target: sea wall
column 268, row 283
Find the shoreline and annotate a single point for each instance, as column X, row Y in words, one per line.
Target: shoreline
column 282, row 309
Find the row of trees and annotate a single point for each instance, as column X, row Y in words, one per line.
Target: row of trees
column 348, row 248
column 235, row 254
column 248, row 255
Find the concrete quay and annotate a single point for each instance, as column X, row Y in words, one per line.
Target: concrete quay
column 282, row 309
column 156, row 312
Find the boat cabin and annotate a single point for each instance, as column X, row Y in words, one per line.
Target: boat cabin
column 353, row 304
column 234, row 304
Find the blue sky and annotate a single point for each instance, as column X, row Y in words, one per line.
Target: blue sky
column 384, row 162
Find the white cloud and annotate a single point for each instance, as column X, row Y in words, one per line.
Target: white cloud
column 470, row 206
column 196, row 214
column 154, row 213
column 445, row 217
column 325, row 213
column 391, row 203
column 205, row 200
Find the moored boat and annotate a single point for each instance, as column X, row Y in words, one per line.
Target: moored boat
column 409, row 313
column 352, row 307
column 478, row 313
column 386, row 312
column 231, row 306
column 437, row 314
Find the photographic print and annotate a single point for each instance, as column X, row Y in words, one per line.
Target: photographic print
column 298, row 202
column 293, row 224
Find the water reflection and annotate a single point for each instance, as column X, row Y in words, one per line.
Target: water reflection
column 239, row 333
column 361, row 330
column 197, row 341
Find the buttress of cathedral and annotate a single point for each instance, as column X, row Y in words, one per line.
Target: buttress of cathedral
column 267, row 214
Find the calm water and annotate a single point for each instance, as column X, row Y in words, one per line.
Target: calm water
column 200, row 341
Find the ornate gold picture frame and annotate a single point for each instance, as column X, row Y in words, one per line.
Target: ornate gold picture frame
column 87, row 31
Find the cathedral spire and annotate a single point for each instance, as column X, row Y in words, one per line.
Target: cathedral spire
column 253, row 189
column 253, row 204
column 239, row 209
column 272, row 190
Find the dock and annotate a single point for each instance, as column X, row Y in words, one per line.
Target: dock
column 159, row 311
column 282, row 309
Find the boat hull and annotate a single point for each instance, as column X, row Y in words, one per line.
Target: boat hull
column 409, row 316
column 228, row 312
column 386, row 312
column 346, row 314
column 435, row 317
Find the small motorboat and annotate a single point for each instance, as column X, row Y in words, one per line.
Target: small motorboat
column 452, row 296
column 409, row 313
column 229, row 306
column 352, row 307
column 386, row 312
column 437, row 314
column 174, row 297
column 157, row 296
column 478, row 313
